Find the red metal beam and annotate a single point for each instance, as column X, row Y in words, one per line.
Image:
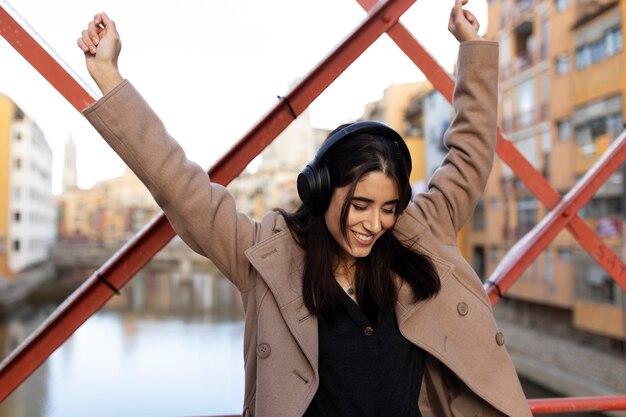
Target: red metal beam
column 520, row 256
column 47, row 66
column 581, row 231
column 538, row 185
column 117, row 271
column 416, row 52
column 573, row 404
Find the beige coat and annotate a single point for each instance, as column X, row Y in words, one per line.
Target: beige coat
column 468, row 373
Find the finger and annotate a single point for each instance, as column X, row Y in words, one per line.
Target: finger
column 458, row 8
column 88, row 41
column 92, row 30
column 472, row 19
column 107, row 22
column 82, row 45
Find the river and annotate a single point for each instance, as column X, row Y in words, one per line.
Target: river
column 163, row 348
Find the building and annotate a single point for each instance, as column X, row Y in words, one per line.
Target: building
column 561, row 86
column 402, row 108
column 273, row 183
column 27, row 212
column 111, row 212
column 597, row 119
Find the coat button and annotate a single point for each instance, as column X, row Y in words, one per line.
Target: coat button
column 462, row 308
column 499, row 338
column 263, row 350
column 368, row 331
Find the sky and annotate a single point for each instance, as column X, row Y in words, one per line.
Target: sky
column 211, row 69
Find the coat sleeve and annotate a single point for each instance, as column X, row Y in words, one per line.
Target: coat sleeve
column 201, row 212
column 456, row 186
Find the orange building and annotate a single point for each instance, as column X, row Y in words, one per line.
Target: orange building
column 561, row 86
column 392, row 109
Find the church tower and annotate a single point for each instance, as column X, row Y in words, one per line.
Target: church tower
column 69, row 166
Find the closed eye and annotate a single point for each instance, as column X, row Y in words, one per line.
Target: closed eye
column 359, row 207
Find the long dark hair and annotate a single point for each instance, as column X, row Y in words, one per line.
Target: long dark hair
column 349, row 161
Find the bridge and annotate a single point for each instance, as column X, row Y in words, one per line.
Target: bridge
column 383, row 17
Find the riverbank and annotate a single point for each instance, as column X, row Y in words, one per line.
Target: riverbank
column 15, row 291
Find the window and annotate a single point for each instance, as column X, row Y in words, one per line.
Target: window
column 604, row 126
column 16, row 245
column 478, row 219
column 613, row 41
column 599, row 285
column 17, row 163
column 494, row 254
column 562, row 64
column 525, row 104
column 603, row 207
column 608, row 45
column 478, row 261
column 526, row 215
column 17, row 216
column 565, row 255
column 18, row 136
column 564, row 128
column 561, row 5
column 548, row 273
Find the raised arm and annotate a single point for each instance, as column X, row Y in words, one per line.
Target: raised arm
column 202, row 213
column 102, row 46
column 457, row 185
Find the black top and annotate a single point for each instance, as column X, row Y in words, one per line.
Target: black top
column 365, row 370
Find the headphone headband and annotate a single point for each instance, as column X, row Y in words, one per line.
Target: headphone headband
column 314, row 185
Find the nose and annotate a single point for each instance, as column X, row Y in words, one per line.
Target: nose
column 372, row 222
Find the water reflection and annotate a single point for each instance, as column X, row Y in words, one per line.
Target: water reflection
column 166, row 347
column 170, row 345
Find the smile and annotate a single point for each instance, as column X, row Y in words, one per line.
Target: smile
column 361, row 238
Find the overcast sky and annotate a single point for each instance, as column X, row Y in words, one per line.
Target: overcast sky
column 210, row 68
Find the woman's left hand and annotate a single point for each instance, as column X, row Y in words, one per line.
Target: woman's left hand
column 463, row 24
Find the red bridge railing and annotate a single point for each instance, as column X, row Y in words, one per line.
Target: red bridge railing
column 382, row 17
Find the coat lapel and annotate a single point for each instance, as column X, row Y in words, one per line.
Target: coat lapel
column 280, row 262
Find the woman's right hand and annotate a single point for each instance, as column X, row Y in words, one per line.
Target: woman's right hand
column 101, row 45
column 462, row 23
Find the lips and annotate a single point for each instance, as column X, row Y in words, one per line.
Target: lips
column 362, row 238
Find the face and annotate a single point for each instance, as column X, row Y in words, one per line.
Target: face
column 371, row 213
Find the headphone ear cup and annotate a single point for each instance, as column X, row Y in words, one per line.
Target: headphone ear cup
column 324, row 191
column 314, row 187
column 306, row 185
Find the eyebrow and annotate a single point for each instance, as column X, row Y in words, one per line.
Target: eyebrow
column 370, row 201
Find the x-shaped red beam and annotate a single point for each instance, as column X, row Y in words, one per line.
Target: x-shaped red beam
column 564, row 212
column 137, row 252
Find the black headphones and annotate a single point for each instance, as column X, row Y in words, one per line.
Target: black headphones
column 314, row 185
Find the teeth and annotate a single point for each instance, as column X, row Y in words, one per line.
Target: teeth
column 363, row 237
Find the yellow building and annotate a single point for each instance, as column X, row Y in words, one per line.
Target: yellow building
column 392, row 109
column 561, row 87
column 27, row 213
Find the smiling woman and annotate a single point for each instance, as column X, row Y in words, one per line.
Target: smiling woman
column 358, row 303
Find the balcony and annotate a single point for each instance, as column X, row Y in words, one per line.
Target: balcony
column 525, row 119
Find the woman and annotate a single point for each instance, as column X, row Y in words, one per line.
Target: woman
column 359, row 303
